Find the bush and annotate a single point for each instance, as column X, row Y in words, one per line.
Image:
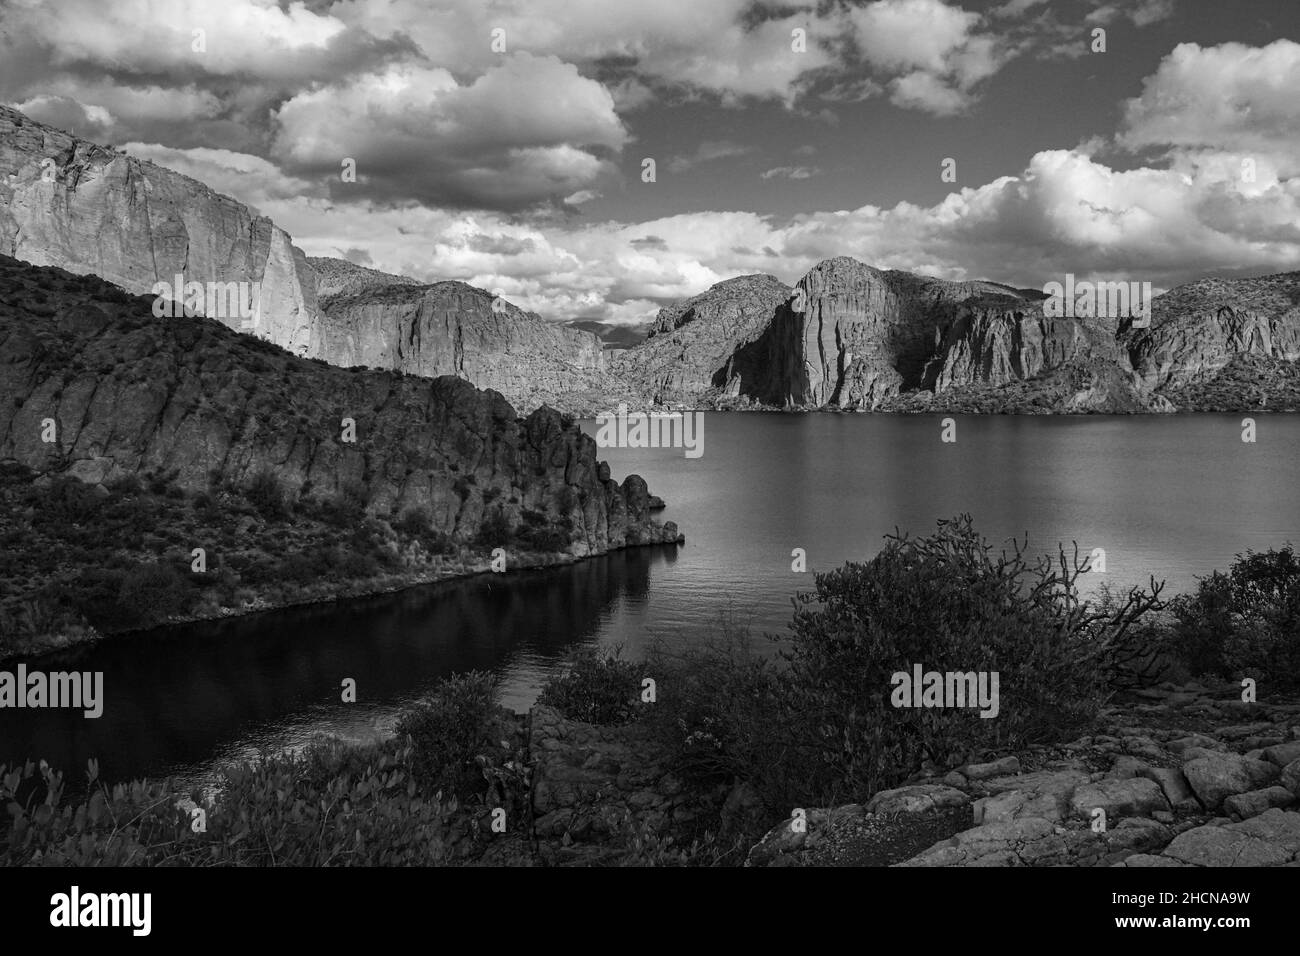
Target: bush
column 154, row 592
column 595, row 689
column 334, row 804
column 495, row 531
column 415, row 522
column 267, row 495
column 447, row 732
column 721, row 715
column 949, row 603
column 1245, row 622
column 544, row 539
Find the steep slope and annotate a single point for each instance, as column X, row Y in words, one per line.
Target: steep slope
column 126, row 393
column 90, row 209
column 689, row 356
column 450, row 328
column 1197, row 329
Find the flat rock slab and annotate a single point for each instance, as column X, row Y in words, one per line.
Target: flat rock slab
column 918, row 798
column 1134, row 797
column 1033, row 841
column 1270, row 839
column 1044, row 794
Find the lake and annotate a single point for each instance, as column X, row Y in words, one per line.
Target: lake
column 1171, row 496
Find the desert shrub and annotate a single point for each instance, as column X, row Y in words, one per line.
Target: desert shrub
column 358, row 565
column 545, row 538
column 415, row 521
column 721, row 715
column 68, row 499
column 154, row 591
column 438, row 542
column 596, row 688
column 495, row 530
column 448, row 730
column 1244, row 622
column 950, row 604
column 267, row 495
column 333, row 804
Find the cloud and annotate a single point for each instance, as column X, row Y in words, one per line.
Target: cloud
column 1065, row 212
column 1231, row 97
column 250, row 179
column 707, row 152
column 791, row 172
column 529, row 130
column 933, row 51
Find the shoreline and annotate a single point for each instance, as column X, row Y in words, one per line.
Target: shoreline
column 524, row 561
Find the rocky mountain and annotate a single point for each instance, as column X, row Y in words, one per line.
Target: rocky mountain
column 850, row 336
column 691, row 354
column 95, row 387
column 450, row 328
column 94, row 210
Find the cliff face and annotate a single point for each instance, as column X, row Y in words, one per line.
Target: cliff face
column 92, row 210
column 88, row 209
column 129, row 393
column 693, row 350
column 1198, row 328
column 450, row 328
column 851, row 336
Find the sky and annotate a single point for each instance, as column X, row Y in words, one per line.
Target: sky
column 505, row 143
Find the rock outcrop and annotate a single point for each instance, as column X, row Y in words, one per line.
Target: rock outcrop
column 96, row 387
column 694, row 353
column 93, row 210
column 450, row 328
column 1145, row 790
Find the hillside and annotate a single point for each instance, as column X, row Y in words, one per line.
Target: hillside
column 97, row 389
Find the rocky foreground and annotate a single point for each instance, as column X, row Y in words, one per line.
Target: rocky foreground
column 1174, row 776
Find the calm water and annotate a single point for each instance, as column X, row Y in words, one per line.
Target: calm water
column 1174, row 497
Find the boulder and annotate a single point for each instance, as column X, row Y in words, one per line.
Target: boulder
column 1252, row 804
column 917, row 798
column 1172, row 782
column 1215, row 777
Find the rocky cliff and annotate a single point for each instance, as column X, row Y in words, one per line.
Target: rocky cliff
column 91, row 209
column 450, row 328
column 850, row 336
column 94, row 386
column 692, row 354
